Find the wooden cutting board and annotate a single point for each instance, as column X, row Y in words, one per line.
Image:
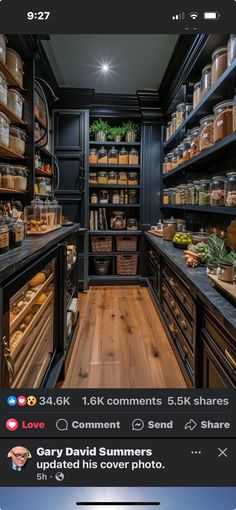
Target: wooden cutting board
column 228, row 288
column 156, row 233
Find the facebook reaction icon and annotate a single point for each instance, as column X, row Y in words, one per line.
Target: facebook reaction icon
column 12, row 401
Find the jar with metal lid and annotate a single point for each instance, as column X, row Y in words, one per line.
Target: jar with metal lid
column 180, row 114
column 113, row 156
column 17, row 140
column 122, row 178
column 132, row 224
column 3, row 48
column 194, row 193
column 230, row 189
column 234, row 113
column 187, row 148
column 173, row 122
column 223, row 120
column 3, row 89
column 21, row 174
column 42, row 186
column 168, row 130
column 94, row 198
column 196, row 94
column 206, row 132
column 219, row 63
column 180, row 195
column 115, row 197
column 132, row 196
column 231, row 49
column 15, row 102
column 195, row 142
column 217, row 191
column 123, row 157
column 187, row 193
column 132, row 179
column 175, row 159
column 169, row 161
column 169, row 229
column 112, row 177
column 103, row 197
column 4, row 130
column 93, row 178
column 166, row 196
column 4, row 238
column 15, row 65
column 133, row 157
column 93, row 156
column 164, row 166
column 173, row 196
column 118, row 220
column 206, row 80
column 17, row 234
column 180, row 154
column 102, row 156
column 188, row 109
column 102, row 178
column 204, row 192
column 7, row 176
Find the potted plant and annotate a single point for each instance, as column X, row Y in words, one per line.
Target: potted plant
column 99, row 128
column 131, row 131
column 116, row 133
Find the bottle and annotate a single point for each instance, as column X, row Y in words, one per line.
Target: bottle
column 43, row 186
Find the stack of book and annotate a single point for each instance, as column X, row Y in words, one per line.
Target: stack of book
column 98, row 219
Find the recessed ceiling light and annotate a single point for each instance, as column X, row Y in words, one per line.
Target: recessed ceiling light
column 105, row 68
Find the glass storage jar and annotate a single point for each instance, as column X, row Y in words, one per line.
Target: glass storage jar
column 206, row 132
column 15, row 102
column 169, row 229
column 230, row 190
column 173, row 122
column 132, row 196
column 112, row 177
column 4, row 130
column 102, row 178
column 168, row 130
column 15, row 65
column 196, row 94
column 123, row 157
column 115, row 197
column 113, row 156
column 164, row 166
column 187, row 194
column 21, row 174
column 194, row 193
column 219, row 63
column 234, row 113
column 169, row 161
column 204, row 192
column 103, row 196
column 17, row 140
column 118, row 220
column 3, row 48
column 122, row 178
column 94, row 198
column 180, row 195
column 205, row 80
column 7, row 176
column 93, row 156
column 180, row 114
column 93, row 178
column 217, row 191
column 133, row 157
column 188, row 109
column 223, row 120
column 122, row 196
column 175, row 159
column 166, row 196
column 4, row 237
column 132, row 224
column 36, row 216
column 195, row 142
column 173, row 196
column 180, row 154
column 132, row 179
column 42, row 186
column 17, row 234
column 3, row 89
column 187, row 148
column 231, row 49
column 102, row 156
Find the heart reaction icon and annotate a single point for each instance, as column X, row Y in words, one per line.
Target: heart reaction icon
column 22, row 401
column 12, row 424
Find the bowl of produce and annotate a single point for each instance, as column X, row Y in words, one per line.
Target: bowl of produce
column 182, row 239
column 200, row 237
column 201, row 250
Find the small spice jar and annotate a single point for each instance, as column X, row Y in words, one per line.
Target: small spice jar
column 196, row 94
column 205, row 80
column 217, row 191
column 164, row 166
column 115, row 197
column 113, row 156
column 122, row 178
column 93, row 156
column 175, row 159
column 132, row 224
column 4, row 238
column 204, row 192
column 93, row 179
column 103, row 196
column 194, row 193
column 102, row 156
column 230, row 190
column 102, row 178
column 4, row 130
column 180, row 114
column 173, row 122
column 187, row 148
column 231, row 49
column 132, row 179
column 133, row 157
column 123, row 157
column 219, row 63
column 112, row 177
column 180, row 154
column 94, row 198
column 3, row 89
column 223, row 120
column 195, row 142
column 132, row 196
column 206, row 132
column 169, row 161
column 166, row 196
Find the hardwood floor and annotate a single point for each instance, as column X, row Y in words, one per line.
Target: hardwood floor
column 121, row 343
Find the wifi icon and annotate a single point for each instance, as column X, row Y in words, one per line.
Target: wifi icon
column 194, row 15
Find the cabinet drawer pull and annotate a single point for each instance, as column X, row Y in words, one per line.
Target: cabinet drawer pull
column 177, row 312
column 8, row 359
column 172, row 329
column 230, row 358
column 185, row 349
column 172, row 304
column 184, row 324
column 172, row 282
column 184, row 297
column 164, row 289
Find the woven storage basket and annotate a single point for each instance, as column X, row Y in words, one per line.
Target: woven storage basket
column 126, row 243
column 101, row 244
column 127, row 264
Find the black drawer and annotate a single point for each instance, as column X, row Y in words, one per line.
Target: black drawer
column 180, row 291
column 181, row 318
column 215, row 374
column 222, row 343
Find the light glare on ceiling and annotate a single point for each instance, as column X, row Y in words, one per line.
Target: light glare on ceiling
column 105, row 68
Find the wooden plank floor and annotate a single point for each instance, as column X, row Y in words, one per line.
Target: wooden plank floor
column 121, row 343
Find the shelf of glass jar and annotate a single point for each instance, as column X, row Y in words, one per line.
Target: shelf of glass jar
column 13, row 178
column 113, row 157
column 114, row 178
column 116, row 197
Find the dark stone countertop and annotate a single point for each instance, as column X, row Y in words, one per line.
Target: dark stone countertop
column 32, row 247
column 199, row 282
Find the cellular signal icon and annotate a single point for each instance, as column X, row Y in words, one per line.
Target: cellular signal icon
column 180, row 16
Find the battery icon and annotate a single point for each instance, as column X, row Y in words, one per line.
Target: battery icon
column 211, row 16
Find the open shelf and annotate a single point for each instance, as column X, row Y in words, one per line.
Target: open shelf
column 44, row 151
column 224, row 88
column 115, row 232
column 13, row 191
column 41, row 172
column 118, row 144
column 8, row 154
column 231, row 211
column 113, row 186
column 11, row 115
column 40, row 121
column 100, row 165
column 9, row 76
column 114, row 205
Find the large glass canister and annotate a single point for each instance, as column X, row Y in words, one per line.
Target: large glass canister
column 231, row 49
column 7, row 176
column 4, row 130
column 230, row 189
column 196, row 94
column 36, row 217
column 4, row 236
column 168, row 131
column 118, row 220
column 188, row 109
column 195, row 142
column 164, row 166
column 204, row 192
column 217, row 191
column 187, row 193
column 113, row 156
column 194, row 193
column 206, row 132
column 219, row 63
column 112, row 177
column 223, row 120
column 123, row 156
column 58, row 212
column 93, row 156
column 205, row 80
column 102, row 156
column 17, row 140
column 133, row 157
column 180, row 114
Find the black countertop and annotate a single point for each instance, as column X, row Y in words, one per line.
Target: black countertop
column 32, row 247
column 197, row 280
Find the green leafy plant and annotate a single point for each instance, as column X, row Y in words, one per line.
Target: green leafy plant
column 115, row 131
column 99, row 125
column 130, row 126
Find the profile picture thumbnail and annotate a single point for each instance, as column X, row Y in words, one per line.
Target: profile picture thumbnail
column 18, row 458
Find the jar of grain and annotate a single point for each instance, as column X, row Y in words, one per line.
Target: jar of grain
column 187, row 148
column 7, row 180
column 223, row 120
column 15, row 65
column 102, row 156
column 122, row 178
column 195, row 142
column 164, row 166
column 169, row 161
column 102, row 178
column 132, row 179
column 3, row 89
column 112, row 177
column 205, row 80
column 4, row 130
column 196, row 94
column 217, row 191
column 166, row 196
column 180, row 154
column 3, row 48
column 180, row 195
column 180, row 114
column 133, row 157
column 168, row 131
column 93, row 179
column 219, row 63
column 15, row 102
column 132, row 196
column 231, row 49
column 187, row 194
column 173, row 122
column 194, row 193
column 17, row 140
column 175, row 159
column 20, row 179
column 230, row 190
column 206, row 132
column 123, row 157
column 4, row 238
column 173, row 196
column 113, row 156
column 204, row 192
column 94, row 198
column 93, row 156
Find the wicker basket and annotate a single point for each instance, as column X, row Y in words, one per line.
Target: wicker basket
column 126, row 243
column 101, row 244
column 127, row 264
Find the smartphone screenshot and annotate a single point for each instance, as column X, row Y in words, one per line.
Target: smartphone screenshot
column 117, row 255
